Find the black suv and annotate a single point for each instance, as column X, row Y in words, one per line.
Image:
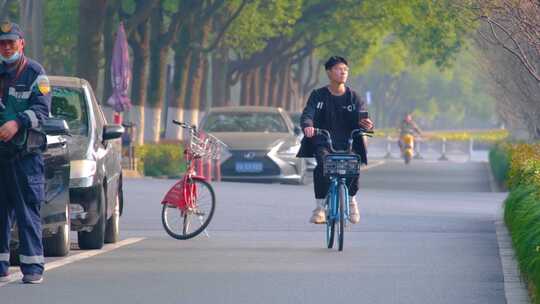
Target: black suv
column 96, row 199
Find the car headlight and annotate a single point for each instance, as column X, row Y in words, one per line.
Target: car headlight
column 82, row 168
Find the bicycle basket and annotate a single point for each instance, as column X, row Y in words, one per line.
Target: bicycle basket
column 204, row 145
column 342, row 165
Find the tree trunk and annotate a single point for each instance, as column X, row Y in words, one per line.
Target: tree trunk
column 312, row 77
column 32, row 19
column 274, row 85
column 292, row 95
column 182, row 64
column 219, row 78
column 244, row 89
column 141, row 55
column 288, row 90
column 255, row 86
column 282, row 87
column 196, row 78
column 157, row 80
column 265, row 86
column 91, row 22
column 109, row 34
column 298, row 85
column 206, row 103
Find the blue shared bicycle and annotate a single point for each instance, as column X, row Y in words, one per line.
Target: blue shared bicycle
column 339, row 165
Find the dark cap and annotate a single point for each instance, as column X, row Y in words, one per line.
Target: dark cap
column 10, row 31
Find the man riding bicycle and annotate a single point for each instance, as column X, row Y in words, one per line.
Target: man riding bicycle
column 335, row 108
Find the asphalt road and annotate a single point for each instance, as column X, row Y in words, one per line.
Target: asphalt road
column 426, row 235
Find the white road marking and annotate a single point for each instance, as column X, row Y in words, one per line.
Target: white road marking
column 373, row 165
column 17, row 276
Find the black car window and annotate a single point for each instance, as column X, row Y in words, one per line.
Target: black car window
column 245, row 122
column 69, row 104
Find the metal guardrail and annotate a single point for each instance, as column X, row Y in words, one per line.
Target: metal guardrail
column 441, row 150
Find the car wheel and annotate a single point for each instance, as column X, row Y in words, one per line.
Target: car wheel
column 59, row 244
column 95, row 238
column 112, row 230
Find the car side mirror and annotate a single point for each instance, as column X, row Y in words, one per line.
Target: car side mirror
column 55, row 126
column 112, row 131
column 297, row 131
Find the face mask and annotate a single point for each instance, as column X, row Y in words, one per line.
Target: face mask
column 11, row 59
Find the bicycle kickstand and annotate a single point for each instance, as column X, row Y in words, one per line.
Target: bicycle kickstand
column 205, row 230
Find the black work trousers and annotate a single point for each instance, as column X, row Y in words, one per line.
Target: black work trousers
column 321, row 183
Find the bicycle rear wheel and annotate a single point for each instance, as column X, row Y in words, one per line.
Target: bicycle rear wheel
column 341, row 226
column 330, row 223
column 186, row 224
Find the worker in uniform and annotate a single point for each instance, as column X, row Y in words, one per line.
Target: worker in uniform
column 24, row 102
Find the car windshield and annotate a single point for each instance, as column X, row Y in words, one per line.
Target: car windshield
column 69, row 104
column 295, row 117
column 245, row 122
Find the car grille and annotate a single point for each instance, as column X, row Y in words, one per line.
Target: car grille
column 228, row 168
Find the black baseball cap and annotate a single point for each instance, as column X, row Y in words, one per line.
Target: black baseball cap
column 10, row 31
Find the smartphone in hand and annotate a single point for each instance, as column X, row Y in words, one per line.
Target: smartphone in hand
column 363, row 115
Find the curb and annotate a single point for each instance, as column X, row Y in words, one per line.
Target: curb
column 515, row 289
column 131, row 173
column 493, row 184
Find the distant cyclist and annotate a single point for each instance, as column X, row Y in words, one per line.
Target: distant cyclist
column 335, row 108
column 407, row 127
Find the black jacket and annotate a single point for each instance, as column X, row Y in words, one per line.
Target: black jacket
column 316, row 115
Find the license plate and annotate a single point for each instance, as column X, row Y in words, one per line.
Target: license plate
column 249, row 167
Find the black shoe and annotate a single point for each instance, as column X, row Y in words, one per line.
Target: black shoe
column 34, row 278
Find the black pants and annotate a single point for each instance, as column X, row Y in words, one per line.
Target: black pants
column 321, row 183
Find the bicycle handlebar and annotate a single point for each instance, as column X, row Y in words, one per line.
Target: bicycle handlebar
column 326, row 133
column 196, row 132
column 183, row 124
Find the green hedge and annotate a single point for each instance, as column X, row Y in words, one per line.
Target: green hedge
column 522, row 217
column 500, row 163
column 160, row 159
column 517, row 165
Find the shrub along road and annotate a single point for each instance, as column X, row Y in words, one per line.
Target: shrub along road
column 426, row 235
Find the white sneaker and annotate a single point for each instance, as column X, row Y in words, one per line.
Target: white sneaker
column 5, row 278
column 354, row 213
column 319, row 216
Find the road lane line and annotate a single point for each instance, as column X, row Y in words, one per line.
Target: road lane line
column 373, row 165
column 17, row 276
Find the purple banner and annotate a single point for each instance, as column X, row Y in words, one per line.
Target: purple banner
column 120, row 72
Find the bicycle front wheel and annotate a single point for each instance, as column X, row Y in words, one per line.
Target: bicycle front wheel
column 188, row 223
column 330, row 224
column 341, row 224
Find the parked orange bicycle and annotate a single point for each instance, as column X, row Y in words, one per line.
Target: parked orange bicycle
column 188, row 207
